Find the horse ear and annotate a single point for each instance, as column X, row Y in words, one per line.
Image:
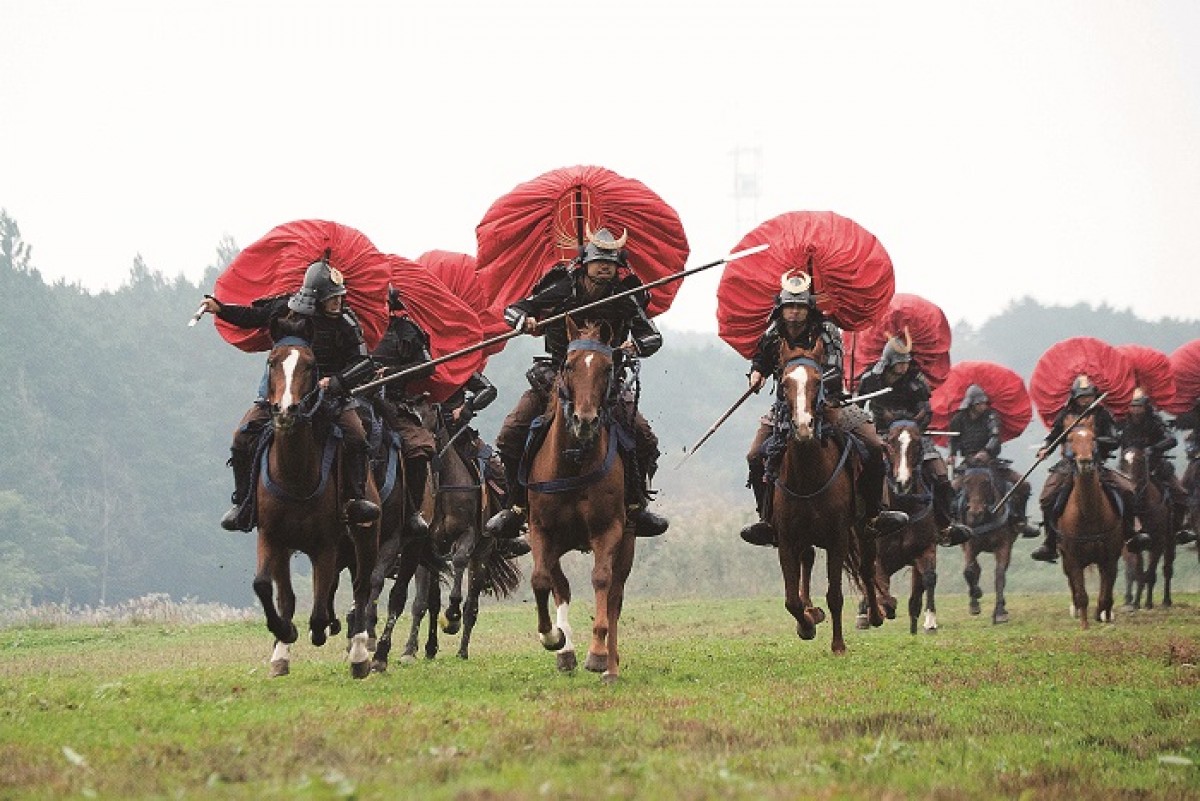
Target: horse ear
column 572, row 329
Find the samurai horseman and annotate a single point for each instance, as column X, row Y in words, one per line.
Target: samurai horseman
column 600, row 271
column 1144, row 427
column 909, row 399
column 796, row 320
column 1058, row 482
column 978, row 429
column 316, row 313
column 405, row 345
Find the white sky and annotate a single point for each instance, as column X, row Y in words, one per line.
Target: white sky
column 997, row 149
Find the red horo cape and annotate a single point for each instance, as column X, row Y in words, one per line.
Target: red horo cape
column 451, row 324
column 1004, row 389
column 540, row 223
column 1152, row 372
column 852, row 275
column 1185, row 364
column 1056, row 369
column 930, row 337
column 457, row 271
column 275, row 265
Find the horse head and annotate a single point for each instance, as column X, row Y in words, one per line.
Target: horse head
column 1135, row 464
column 905, row 451
column 586, row 379
column 802, row 387
column 977, row 494
column 1081, row 444
column 291, row 376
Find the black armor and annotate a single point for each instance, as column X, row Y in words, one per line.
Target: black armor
column 975, row 433
column 765, row 360
column 321, row 282
column 908, row 400
column 404, row 345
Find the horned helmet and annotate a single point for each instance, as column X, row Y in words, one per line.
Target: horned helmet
column 603, row 246
column 321, row 282
column 895, row 351
column 795, row 290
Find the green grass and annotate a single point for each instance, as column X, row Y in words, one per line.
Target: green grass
column 718, row 699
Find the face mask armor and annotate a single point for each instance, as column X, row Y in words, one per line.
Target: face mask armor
column 321, row 282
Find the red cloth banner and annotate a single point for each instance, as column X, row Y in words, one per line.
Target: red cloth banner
column 1057, row 368
column 1185, row 365
column 1152, row 372
column 930, row 331
column 457, row 271
column 1004, row 387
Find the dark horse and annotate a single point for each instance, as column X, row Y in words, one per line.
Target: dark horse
column 576, row 486
column 1154, row 512
column 298, row 509
column 463, row 502
column 1090, row 527
column 815, row 505
column 915, row 545
column 980, row 487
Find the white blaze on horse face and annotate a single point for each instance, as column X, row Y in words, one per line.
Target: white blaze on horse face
column 904, row 469
column 289, row 373
column 801, row 414
column 587, row 360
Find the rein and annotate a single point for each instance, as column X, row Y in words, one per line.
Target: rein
column 818, row 429
column 828, row 483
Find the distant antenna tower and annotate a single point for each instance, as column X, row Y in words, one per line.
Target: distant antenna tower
column 747, row 186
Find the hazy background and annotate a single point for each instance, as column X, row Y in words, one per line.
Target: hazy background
column 997, row 149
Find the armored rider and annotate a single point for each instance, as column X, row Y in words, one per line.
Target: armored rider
column 978, row 429
column 600, row 271
column 1144, row 428
column 909, row 400
column 797, row 321
column 406, row 345
column 318, row 314
column 1083, row 394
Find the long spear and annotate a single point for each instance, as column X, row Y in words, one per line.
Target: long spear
column 408, row 371
column 713, row 428
column 1049, row 449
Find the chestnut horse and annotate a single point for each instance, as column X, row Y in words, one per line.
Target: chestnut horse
column 980, row 487
column 463, row 503
column 299, row 509
column 915, row 545
column 1090, row 526
column 576, row 484
column 1154, row 512
column 815, row 504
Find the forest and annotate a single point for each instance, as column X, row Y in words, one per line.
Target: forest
column 118, row 417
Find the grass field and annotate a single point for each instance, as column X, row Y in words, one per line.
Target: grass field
column 718, row 699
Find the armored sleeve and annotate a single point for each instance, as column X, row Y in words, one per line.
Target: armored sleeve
column 766, row 354
column 1162, row 439
column 359, row 364
column 258, row 315
column 483, row 392
column 646, row 337
column 956, row 426
column 831, row 335
column 544, row 302
column 994, row 430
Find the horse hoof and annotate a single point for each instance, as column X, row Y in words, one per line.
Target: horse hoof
column 408, row 659
column 890, row 611
column 553, row 640
column 609, row 679
column 838, row 649
column 318, row 637
column 861, row 623
column 451, row 626
column 1000, row 617
column 596, row 663
column 817, row 614
column 378, row 666
column 974, row 607
column 805, row 632
column 360, row 670
column 932, row 630
column 279, row 667
column 335, row 628
column 567, row 662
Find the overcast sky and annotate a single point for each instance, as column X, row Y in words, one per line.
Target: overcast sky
column 997, row 149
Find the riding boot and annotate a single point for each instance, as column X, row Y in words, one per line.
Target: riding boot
column 1019, row 519
column 760, row 532
column 358, row 509
column 241, row 463
column 951, row 533
column 1136, row 540
column 879, row 520
column 511, row 549
column 507, row 523
column 1183, row 534
column 416, row 473
column 1048, row 550
column 645, row 522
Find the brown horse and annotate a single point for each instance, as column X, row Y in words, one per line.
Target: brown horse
column 915, row 545
column 1090, row 527
column 1154, row 512
column 463, row 503
column 815, row 505
column 298, row 509
column 980, row 486
column 576, row 486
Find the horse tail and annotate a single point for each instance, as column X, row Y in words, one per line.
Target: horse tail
column 854, row 561
column 502, row 576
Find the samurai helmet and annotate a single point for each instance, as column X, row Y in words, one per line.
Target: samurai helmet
column 321, row 282
column 795, row 290
column 395, row 302
column 1082, row 386
column 1140, row 398
column 975, row 394
column 895, row 351
column 603, row 246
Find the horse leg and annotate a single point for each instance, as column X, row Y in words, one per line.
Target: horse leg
column 273, row 572
column 470, row 610
column 324, row 569
column 1129, row 560
column 546, row 578
column 808, row 556
column 389, row 553
column 434, row 605
column 916, row 583
column 1079, row 598
column 397, row 600
column 929, row 585
column 1104, row 598
column 420, row 605
column 835, row 557
column 366, row 554
column 794, row 598
column 622, row 565
column 604, row 554
column 1168, row 570
column 451, row 621
column 972, row 572
column 880, row 603
column 1003, row 558
column 1150, row 575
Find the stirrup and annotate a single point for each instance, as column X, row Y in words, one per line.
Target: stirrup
column 1184, row 536
column 1045, row 553
column 230, row 521
column 648, row 524
column 759, row 533
column 954, row 534
column 359, row 511
column 1140, row 541
column 888, row 521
